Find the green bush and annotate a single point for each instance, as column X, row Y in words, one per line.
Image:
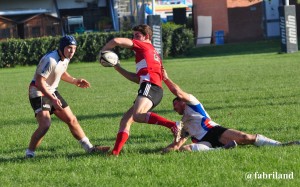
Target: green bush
column 177, row 40
column 167, row 30
column 182, row 41
column 7, row 56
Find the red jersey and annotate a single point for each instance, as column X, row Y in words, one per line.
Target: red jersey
column 148, row 63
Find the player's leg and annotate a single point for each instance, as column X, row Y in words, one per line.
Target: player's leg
column 240, row 137
column 149, row 97
column 44, row 122
column 175, row 127
column 140, row 108
column 123, row 133
column 41, row 107
column 140, row 113
column 244, row 138
column 67, row 116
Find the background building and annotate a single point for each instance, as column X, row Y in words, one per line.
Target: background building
column 230, row 20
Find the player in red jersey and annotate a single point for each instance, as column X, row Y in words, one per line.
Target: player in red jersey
column 149, row 76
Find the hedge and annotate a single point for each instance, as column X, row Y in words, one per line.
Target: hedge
column 177, row 41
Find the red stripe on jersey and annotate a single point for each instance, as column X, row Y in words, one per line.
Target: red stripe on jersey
column 148, row 62
column 207, row 124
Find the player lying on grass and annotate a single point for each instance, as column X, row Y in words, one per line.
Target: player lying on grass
column 46, row 100
column 205, row 133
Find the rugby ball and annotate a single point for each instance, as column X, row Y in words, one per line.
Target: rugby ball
column 108, row 58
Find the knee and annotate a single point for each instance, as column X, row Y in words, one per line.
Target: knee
column 139, row 118
column 44, row 125
column 43, row 129
column 125, row 123
column 247, row 138
column 72, row 120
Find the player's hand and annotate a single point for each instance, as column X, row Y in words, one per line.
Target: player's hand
column 117, row 65
column 165, row 75
column 82, row 83
column 57, row 104
column 167, row 150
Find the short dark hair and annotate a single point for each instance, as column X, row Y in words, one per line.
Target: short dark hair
column 144, row 29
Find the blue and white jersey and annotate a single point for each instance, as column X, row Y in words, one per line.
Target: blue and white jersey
column 196, row 121
column 51, row 67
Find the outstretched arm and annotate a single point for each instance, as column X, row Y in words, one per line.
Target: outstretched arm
column 174, row 88
column 82, row 83
column 174, row 146
column 122, row 42
column 128, row 75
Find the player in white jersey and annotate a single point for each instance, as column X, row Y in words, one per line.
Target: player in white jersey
column 205, row 133
column 46, row 100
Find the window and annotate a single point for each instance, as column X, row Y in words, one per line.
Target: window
column 36, row 31
column 5, row 33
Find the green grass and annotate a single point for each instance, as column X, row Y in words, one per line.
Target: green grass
column 249, row 87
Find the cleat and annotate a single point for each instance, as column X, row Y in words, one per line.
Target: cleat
column 176, row 130
column 29, row 156
column 99, row 149
column 230, row 145
column 112, row 154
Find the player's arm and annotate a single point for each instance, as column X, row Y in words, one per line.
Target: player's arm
column 128, row 75
column 82, row 83
column 174, row 146
column 40, row 83
column 174, row 88
column 121, row 42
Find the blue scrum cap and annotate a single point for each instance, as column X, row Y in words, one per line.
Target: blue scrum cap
column 65, row 41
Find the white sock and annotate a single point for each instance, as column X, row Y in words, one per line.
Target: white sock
column 29, row 153
column 262, row 141
column 86, row 144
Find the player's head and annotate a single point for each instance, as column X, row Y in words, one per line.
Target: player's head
column 67, row 46
column 142, row 32
column 178, row 105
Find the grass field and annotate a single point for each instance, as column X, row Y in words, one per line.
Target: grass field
column 249, row 87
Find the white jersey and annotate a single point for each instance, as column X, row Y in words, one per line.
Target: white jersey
column 51, row 67
column 196, row 121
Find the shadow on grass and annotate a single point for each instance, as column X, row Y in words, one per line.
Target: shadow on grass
column 262, row 103
column 70, row 156
column 79, row 117
column 74, row 156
